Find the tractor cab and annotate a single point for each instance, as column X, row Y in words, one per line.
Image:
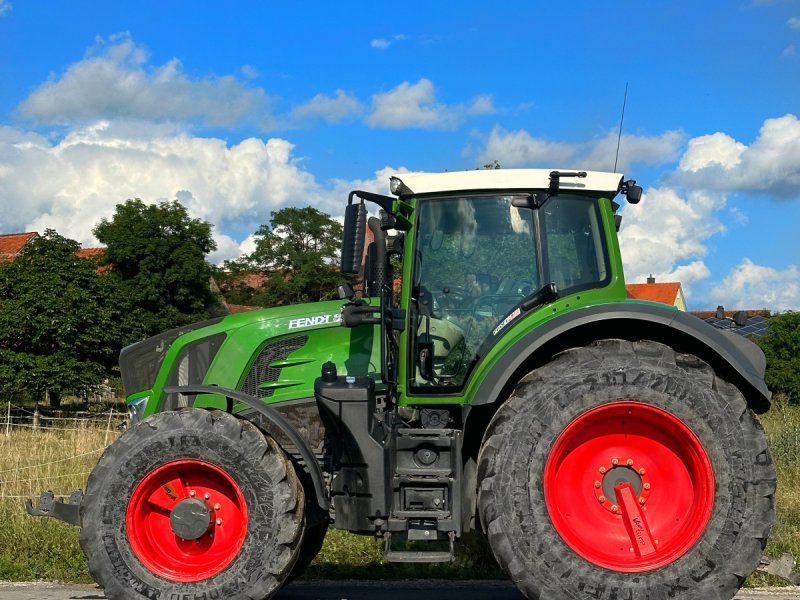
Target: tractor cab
column 480, row 251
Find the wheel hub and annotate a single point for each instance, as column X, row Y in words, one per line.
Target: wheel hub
column 615, row 473
column 618, row 476
column 190, row 519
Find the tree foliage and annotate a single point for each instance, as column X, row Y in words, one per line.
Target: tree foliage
column 61, row 322
column 781, row 346
column 298, row 252
column 159, row 255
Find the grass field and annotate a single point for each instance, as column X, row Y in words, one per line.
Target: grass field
column 31, row 549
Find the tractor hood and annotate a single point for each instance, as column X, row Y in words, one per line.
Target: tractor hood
column 274, row 354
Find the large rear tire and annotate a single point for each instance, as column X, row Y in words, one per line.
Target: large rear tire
column 626, row 470
column 192, row 504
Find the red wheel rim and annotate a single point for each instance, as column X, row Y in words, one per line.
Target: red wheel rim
column 629, row 487
column 150, row 531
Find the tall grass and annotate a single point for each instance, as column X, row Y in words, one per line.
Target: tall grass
column 32, row 461
column 782, row 424
column 33, row 549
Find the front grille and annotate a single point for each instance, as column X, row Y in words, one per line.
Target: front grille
column 261, row 372
column 191, row 367
column 139, row 363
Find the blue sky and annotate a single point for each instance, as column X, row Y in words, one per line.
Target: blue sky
column 241, row 109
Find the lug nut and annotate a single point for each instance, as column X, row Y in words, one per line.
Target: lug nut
column 647, row 486
column 597, row 484
column 602, row 470
column 192, row 493
column 641, row 500
column 614, row 508
column 629, row 462
column 219, row 521
column 602, row 499
column 614, row 461
column 217, row 507
column 207, row 496
column 641, row 471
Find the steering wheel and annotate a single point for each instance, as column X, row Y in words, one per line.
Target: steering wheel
column 452, row 296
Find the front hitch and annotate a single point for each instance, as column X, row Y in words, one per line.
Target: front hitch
column 50, row 506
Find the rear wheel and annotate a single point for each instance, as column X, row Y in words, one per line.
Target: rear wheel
column 192, row 503
column 625, row 470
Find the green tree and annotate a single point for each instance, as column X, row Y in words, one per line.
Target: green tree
column 159, row 254
column 781, row 346
column 62, row 323
column 299, row 253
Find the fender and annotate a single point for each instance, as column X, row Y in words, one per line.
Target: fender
column 737, row 357
column 274, row 417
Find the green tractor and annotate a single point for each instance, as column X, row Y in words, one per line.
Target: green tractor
column 491, row 375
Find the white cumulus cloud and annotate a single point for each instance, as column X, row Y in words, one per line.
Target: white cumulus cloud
column 521, row 149
column 794, row 23
column 332, row 109
column 770, row 165
column 116, row 81
column 72, row 184
column 414, row 105
column 599, row 154
column 752, row 286
column 667, row 235
column 714, row 149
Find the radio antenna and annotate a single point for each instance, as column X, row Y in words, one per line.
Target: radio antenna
column 621, row 120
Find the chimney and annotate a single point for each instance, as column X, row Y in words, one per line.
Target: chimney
column 651, row 279
column 720, row 312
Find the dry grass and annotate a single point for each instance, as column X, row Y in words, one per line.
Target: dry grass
column 32, row 461
column 46, row 549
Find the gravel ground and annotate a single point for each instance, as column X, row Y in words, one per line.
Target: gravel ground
column 353, row 590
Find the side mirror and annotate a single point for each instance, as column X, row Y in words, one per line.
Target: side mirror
column 634, row 194
column 355, row 227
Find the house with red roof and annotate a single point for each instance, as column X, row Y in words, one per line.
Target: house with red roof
column 669, row 293
column 11, row 244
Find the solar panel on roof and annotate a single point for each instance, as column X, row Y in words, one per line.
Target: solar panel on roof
column 756, row 326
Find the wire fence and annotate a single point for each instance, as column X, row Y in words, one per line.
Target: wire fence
column 40, row 451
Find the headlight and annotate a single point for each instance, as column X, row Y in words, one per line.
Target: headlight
column 136, row 409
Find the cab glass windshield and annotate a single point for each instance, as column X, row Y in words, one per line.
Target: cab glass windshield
column 479, row 257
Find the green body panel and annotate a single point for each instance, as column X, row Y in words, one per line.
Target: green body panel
column 355, row 351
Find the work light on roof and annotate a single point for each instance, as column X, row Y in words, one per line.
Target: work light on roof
column 394, row 185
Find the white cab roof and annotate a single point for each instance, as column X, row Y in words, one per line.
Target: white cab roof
column 506, row 179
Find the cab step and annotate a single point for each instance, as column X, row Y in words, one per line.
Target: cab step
column 417, row 556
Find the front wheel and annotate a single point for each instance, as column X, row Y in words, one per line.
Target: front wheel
column 625, row 470
column 192, row 504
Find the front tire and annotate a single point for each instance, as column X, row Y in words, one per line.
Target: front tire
column 192, row 503
column 626, row 470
